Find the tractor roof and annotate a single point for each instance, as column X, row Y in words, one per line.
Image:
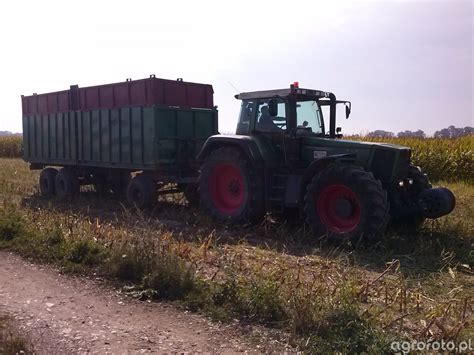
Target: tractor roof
column 281, row 93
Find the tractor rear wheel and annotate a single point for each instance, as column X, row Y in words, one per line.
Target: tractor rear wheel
column 66, row 184
column 346, row 202
column 229, row 187
column 142, row 192
column 47, row 182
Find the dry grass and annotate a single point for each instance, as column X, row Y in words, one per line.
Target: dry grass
column 330, row 298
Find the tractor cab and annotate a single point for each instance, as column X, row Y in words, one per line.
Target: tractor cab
column 293, row 111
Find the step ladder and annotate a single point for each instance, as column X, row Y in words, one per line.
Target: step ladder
column 277, row 192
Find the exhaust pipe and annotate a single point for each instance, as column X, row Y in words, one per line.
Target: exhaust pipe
column 436, row 202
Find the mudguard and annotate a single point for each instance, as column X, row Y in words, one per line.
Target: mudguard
column 245, row 143
column 319, row 164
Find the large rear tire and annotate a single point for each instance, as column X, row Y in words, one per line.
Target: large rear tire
column 229, row 187
column 47, row 182
column 346, row 202
column 142, row 192
column 66, row 184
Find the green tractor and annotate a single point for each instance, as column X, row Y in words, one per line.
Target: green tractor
column 283, row 157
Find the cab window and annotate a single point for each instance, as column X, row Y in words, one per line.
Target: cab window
column 308, row 117
column 246, row 113
column 267, row 123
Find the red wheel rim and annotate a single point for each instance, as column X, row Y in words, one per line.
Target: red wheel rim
column 227, row 188
column 338, row 208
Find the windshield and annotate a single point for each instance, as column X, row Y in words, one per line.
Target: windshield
column 308, row 117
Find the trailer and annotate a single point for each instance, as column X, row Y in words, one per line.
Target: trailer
column 100, row 135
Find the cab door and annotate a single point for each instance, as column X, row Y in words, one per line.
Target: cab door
column 272, row 131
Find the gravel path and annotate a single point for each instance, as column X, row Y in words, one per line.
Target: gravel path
column 74, row 315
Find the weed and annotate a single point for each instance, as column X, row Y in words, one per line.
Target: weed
column 10, row 342
column 11, row 225
column 85, row 252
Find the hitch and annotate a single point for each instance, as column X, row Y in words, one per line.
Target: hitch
column 436, row 202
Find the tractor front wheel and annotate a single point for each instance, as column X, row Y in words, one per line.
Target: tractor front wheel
column 229, row 187
column 346, row 202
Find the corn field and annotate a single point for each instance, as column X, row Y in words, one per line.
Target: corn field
column 442, row 159
column 11, row 146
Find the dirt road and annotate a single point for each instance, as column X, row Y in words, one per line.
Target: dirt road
column 65, row 314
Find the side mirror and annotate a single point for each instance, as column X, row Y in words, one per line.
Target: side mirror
column 273, row 107
column 348, row 110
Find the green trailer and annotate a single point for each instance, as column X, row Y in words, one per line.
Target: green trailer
column 103, row 142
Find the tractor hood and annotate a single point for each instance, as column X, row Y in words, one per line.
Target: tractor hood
column 386, row 161
column 347, row 144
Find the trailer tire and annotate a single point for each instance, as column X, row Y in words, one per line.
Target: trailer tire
column 191, row 193
column 346, row 202
column 142, row 192
column 100, row 184
column 229, row 187
column 66, row 184
column 47, row 182
column 119, row 183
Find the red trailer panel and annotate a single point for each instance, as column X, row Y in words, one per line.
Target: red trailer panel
column 144, row 92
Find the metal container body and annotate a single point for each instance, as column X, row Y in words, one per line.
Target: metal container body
column 135, row 138
column 144, row 92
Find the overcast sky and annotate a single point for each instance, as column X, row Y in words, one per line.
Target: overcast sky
column 403, row 64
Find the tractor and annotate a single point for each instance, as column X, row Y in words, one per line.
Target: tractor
column 284, row 158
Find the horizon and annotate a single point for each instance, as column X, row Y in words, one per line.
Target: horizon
column 404, row 65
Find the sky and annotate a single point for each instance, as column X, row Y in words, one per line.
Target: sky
column 403, row 64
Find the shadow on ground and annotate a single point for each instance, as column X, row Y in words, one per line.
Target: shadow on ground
column 420, row 252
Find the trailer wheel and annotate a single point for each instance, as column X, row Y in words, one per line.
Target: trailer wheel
column 100, row 185
column 47, row 182
column 66, row 184
column 229, row 187
column 119, row 183
column 142, row 192
column 346, row 202
column 191, row 193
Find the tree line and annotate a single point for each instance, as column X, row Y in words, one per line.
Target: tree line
column 450, row 132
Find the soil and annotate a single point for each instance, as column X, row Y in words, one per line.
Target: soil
column 70, row 314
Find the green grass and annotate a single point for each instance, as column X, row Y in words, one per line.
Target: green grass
column 345, row 298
